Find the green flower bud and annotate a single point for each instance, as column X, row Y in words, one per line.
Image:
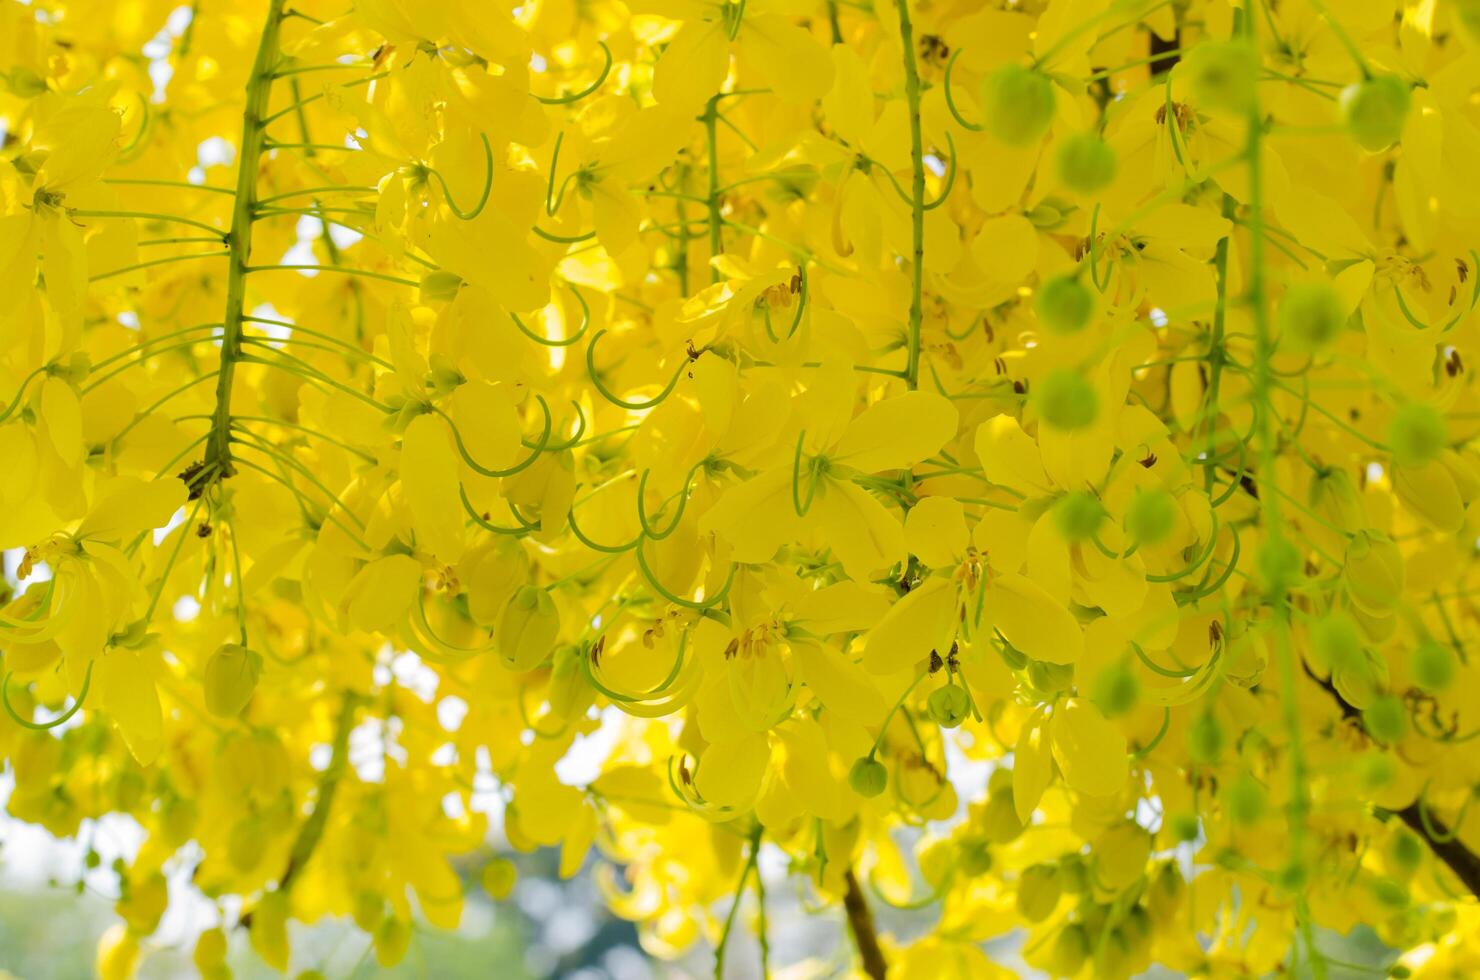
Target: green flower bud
column 230, row 677
column 1077, row 515
column 1336, row 642
column 1386, row 719
column 369, row 910
column 1064, row 305
column 1038, row 892
column 210, row 950
column 1184, row 827
column 1279, row 564
column 1116, row 690
column 1433, row 666
column 1311, row 315
column 245, row 842
column 1406, row 851
column 1374, row 573
column 391, row 941
column 1065, row 400
column 527, row 630
column 1244, row 799
column 1375, row 109
column 868, row 777
column 1019, row 104
column 439, row 287
column 1223, row 74
column 1000, row 823
column 1416, row 434
column 1376, row 770
column 975, row 857
column 1151, row 516
column 498, row 877
column 1085, row 163
column 1070, row 950
column 1205, row 739
column 949, row 705
column 1390, row 892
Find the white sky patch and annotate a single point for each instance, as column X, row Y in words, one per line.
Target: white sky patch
column 186, row 609
column 581, row 764
column 176, row 519
column 1159, row 318
column 215, row 152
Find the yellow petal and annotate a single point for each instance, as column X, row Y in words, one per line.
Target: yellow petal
column 841, row 685
column 429, row 480
column 862, row 533
column 1032, row 621
column 936, row 531
column 1090, row 751
column 1032, row 766
column 131, row 702
column 921, row 621
column 730, row 773
column 897, row 432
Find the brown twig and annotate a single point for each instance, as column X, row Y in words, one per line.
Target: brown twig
column 861, row 925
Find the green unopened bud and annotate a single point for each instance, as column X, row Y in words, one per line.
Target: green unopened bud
column 1416, row 434
column 498, row 877
column 527, row 629
column 369, row 910
column 1386, row 719
column 1151, row 516
column 1244, row 799
column 391, row 941
column 1433, row 666
column 1390, row 892
column 975, row 856
column 1085, row 163
column 1375, row 109
column 868, row 777
column 1070, row 950
column 1065, row 400
column 1222, row 74
column 1311, row 315
column 1279, row 564
column 1116, row 690
column 1018, row 103
column 1078, row 515
column 1336, row 642
column 26, row 83
column 1038, row 892
column 1205, row 739
column 949, row 705
column 1406, row 850
column 440, row 287
column 1000, row 823
column 1184, row 827
column 245, row 842
column 230, row 678
column 1064, row 305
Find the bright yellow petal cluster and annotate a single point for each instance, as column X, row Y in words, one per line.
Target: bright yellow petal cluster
column 1012, row 458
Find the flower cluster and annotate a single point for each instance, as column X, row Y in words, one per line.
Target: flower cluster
column 823, row 399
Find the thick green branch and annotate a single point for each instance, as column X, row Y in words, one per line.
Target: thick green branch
column 249, row 156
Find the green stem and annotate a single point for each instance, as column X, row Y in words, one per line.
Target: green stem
column 1278, row 594
column 249, row 158
column 716, row 222
column 917, row 195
